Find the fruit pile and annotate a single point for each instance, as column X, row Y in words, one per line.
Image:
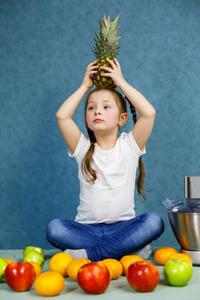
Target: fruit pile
column 177, row 266
column 93, row 277
column 20, row 275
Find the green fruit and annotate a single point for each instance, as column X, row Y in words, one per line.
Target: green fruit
column 177, row 272
column 3, row 265
column 35, row 256
column 29, row 248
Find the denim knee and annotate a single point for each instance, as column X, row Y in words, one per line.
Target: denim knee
column 156, row 223
column 52, row 229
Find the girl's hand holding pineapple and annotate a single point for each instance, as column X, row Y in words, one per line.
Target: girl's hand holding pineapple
column 114, row 73
column 87, row 79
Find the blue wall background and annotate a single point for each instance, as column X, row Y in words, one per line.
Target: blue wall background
column 45, row 47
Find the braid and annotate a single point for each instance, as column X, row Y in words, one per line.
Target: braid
column 141, row 176
column 91, row 174
column 133, row 111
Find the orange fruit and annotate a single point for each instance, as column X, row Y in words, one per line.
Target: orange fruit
column 8, row 260
column 114, row 267
column 181, row 256
column 129, row 259
column 36, row 267
column 49, row 283
column 74, row 266
column 59, row 263
column 161, row 255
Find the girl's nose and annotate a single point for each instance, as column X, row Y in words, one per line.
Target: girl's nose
column 97, row 112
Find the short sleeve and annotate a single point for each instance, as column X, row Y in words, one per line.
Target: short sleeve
column 81, row 148
column 133, row 144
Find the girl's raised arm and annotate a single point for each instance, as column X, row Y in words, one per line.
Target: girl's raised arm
column 69, row 130
column 144, row 125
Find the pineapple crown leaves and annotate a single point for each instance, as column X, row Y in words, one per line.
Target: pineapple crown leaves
column 107, row 42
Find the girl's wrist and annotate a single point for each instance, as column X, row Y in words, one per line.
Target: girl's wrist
column 123, row 85
column 84, row 88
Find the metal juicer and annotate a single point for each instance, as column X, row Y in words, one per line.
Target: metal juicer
column 184, row 218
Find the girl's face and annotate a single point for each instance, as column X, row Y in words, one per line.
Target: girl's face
column 102, row 112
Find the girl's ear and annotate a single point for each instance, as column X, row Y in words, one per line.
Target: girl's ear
column 123, row 119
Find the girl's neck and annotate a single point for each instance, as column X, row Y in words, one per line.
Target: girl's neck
column 106, row 142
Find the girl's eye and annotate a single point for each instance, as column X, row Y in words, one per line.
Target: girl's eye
column 106, row 107
column 91, row 108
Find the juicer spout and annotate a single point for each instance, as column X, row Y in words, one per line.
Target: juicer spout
column 170, row 204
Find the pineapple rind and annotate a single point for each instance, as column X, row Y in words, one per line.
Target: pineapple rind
column 101, row 81
column 106, row 45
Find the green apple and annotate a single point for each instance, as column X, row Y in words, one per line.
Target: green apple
column 35, row 256
column 29, row 248
column 3, row 265
column 177, row 272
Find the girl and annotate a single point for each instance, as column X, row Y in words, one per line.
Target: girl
column 106, row 226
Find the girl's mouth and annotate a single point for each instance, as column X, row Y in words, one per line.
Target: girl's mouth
column 98, row 120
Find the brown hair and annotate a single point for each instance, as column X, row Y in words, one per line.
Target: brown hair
column 90, row 173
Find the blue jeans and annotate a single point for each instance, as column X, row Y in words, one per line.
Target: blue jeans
column 105, row 240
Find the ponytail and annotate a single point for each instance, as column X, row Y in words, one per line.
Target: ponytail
column 141, row 175
column 91, row 174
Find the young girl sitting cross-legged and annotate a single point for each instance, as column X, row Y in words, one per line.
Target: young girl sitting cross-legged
column 105, row 225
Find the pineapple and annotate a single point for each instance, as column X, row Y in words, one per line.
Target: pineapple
column 106, row 45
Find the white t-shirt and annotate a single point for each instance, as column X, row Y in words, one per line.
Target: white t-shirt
column 111, row 198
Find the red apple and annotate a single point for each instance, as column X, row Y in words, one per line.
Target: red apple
column 19, row 276
column 94, row 278
column 143, row 276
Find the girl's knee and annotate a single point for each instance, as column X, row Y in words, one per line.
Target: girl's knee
column 57, row 228
column 155, row 222
column 51, row 229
